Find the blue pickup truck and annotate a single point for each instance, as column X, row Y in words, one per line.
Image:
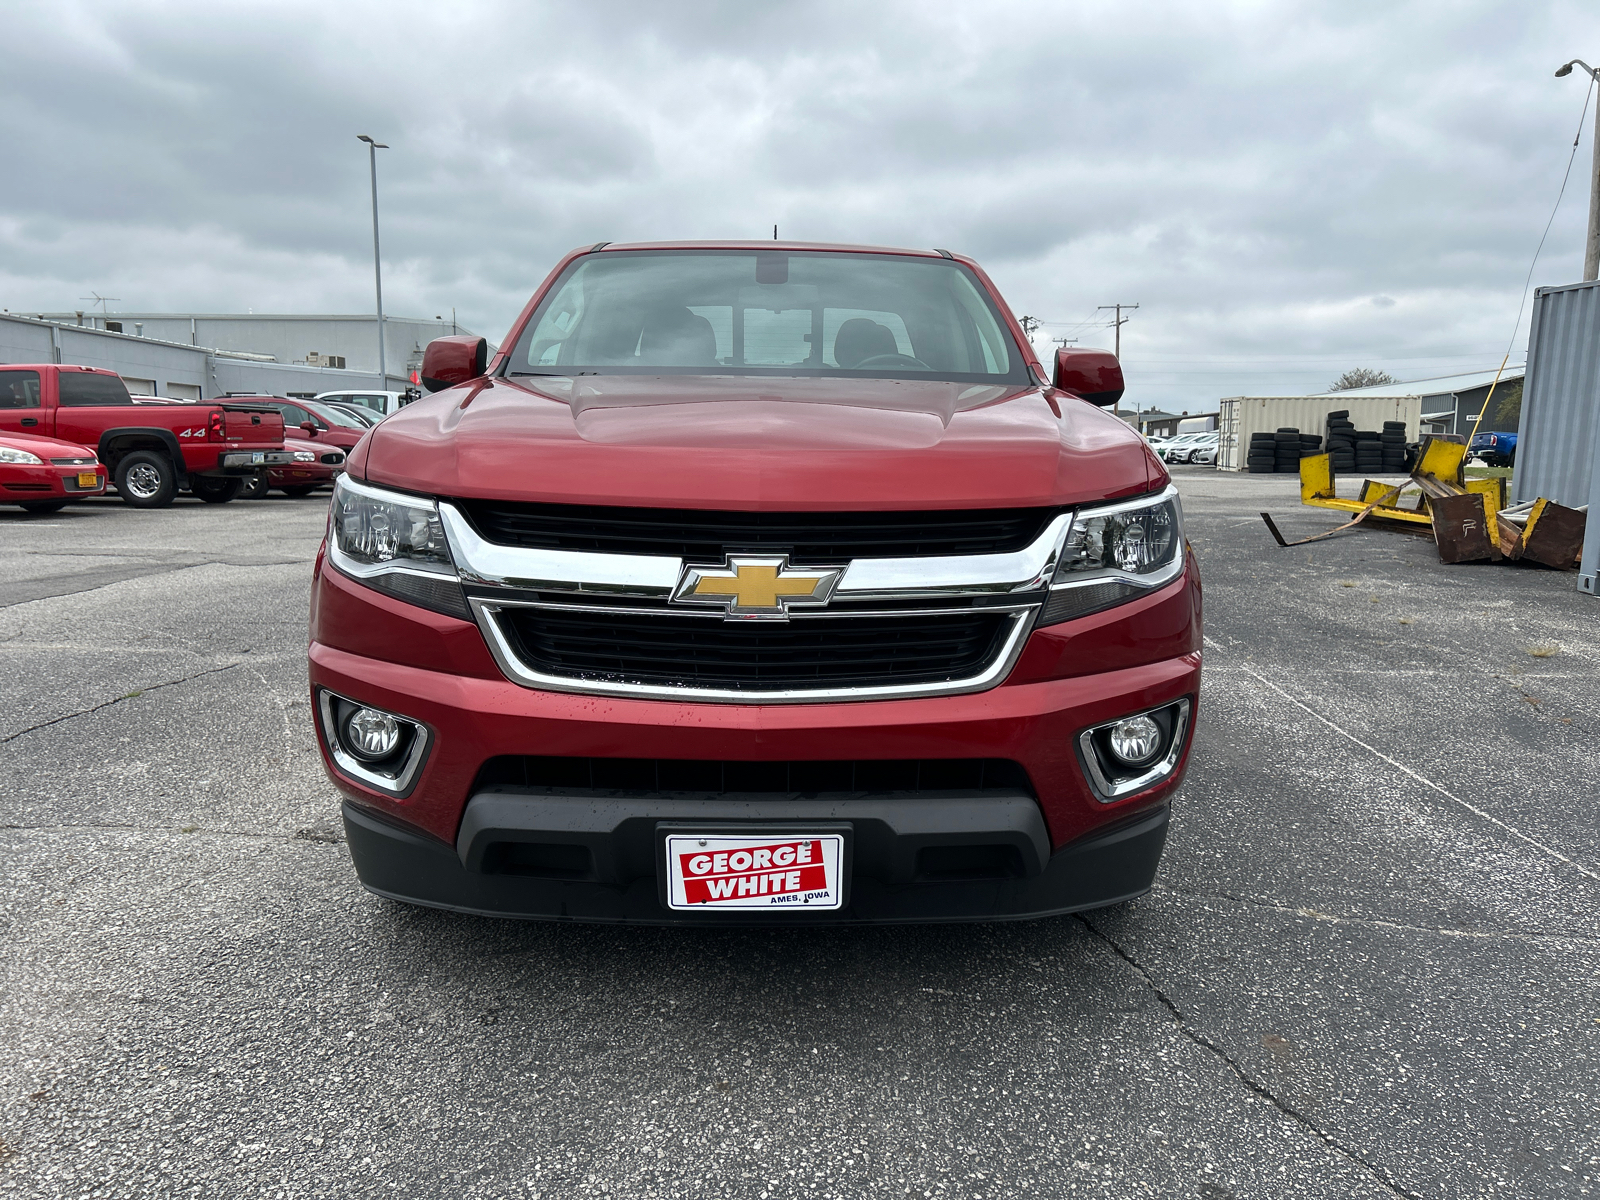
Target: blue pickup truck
column 1496, row 449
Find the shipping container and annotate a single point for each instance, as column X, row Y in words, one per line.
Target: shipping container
column 1558, row 434
column 1242, row 416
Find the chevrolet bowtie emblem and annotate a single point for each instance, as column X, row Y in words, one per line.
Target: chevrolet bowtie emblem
column 757, row 586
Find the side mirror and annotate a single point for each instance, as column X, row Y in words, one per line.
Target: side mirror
column 451, row 360
column 310, row 427
column 1094, row 375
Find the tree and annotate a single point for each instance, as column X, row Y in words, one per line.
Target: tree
column 1507, row 407
column 1359, row 377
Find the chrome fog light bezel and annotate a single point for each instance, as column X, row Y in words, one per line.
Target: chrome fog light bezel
column 395, row 779
column 1112, row 785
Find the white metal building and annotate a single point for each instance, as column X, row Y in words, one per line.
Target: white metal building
column 319, row 340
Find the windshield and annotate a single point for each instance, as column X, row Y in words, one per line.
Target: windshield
column 749, row 312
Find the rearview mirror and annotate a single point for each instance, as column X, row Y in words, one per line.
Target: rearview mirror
column 451, row 360
column 310, row 427
column 1094, row 375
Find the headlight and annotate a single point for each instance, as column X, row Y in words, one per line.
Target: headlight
column 304, row 456
column 1116, row 552
column 9, row 454
column 394, row 543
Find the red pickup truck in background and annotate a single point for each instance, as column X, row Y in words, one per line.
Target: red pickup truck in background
column 150, row 450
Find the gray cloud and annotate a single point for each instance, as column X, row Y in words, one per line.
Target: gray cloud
column 1286, row 189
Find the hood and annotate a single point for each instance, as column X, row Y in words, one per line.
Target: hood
column 46, row 447
column 759, row 443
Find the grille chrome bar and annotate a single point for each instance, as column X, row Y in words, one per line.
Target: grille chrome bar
column 654, row 576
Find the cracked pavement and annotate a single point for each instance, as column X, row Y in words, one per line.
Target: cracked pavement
column 1370, row 967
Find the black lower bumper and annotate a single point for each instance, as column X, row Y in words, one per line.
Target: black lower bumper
column 932, row 858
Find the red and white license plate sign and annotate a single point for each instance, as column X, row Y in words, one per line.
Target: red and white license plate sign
column 798, row 871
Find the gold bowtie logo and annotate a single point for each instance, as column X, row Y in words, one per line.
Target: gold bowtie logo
column 751, row 586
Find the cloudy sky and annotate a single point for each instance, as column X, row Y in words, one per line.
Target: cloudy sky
column 1286, row 189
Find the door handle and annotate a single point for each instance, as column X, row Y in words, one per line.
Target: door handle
column 30, row 420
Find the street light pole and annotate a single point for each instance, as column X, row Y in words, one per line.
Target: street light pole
column 377, row 261
column 1591, row 252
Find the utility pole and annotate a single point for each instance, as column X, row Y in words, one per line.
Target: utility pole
column 377, row 262
column 1591, row 252
column 1117, row 324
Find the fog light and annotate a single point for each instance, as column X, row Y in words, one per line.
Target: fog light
column 1134, row 741
column 370, row 734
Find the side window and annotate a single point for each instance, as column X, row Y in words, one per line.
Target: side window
column 19, row 389
column 85, row 389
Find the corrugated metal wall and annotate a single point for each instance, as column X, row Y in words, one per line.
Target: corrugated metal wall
column 1558, row 436
column 1242, row 416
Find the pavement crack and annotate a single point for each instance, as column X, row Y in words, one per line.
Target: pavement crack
column 1313, row 914
column 94, row 708
column 1253, row 1085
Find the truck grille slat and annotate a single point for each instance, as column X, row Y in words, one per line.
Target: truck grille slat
column 807, row 537
column 757, row 656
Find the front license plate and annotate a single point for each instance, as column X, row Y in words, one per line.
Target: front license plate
column 257, row 456
column 87, row 479
column 792, row 870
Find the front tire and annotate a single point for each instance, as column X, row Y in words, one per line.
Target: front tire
column 145, row 479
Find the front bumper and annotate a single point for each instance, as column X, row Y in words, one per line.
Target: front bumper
column 22, row 483
column 373, row 649
column 302, row 474
column 623, row 881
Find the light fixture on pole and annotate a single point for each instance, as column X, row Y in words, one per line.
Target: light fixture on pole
column 1591, row 251
column 377, row 261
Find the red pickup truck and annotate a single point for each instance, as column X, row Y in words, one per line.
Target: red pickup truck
column 150, row 450
column 757, row 582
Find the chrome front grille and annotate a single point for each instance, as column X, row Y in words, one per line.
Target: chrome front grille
column 581, row 620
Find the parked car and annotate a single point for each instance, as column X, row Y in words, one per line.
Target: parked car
column 381, row 403
column 314, row 421
column 43, row 474
column 1180, row 447
column 757, row 582
column 1204, row 453
column 151, row 451
column 1496, row 449
column 315, row 465
column 365, row 415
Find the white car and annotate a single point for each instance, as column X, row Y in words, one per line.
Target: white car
column 1178, row 449
column 1204, row 454
column 382, row 403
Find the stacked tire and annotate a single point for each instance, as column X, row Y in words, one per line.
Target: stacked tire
column 1263, row 456
column 1342, row 441
column 1286, row 451
column 1369, row 452
column 1393, row 447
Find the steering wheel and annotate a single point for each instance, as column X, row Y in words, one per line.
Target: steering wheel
column 881, row 361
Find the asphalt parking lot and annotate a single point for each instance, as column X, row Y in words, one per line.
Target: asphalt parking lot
column 1371, row 967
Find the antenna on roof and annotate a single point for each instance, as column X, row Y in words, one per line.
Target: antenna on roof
column 101, row 300
column 774, row 233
